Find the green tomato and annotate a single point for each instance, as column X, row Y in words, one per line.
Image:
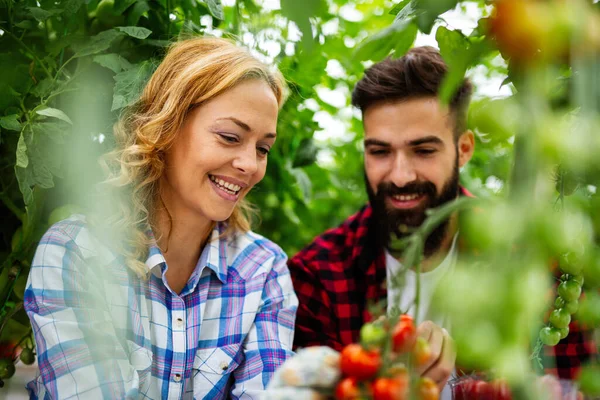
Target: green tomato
column 564, row 332
column 7, row 368
column 577, row 278
column 372, row 335
column 589, row 380
column 572, row 306
column 560, row 318
column 62, row 213
column 550, row 336
column 559, row 303
column 570, row 263
column 569, row 290
column 27, row 356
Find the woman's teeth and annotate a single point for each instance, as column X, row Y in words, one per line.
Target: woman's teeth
column 226, row 186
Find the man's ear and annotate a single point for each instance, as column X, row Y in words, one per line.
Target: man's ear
column 466, row 146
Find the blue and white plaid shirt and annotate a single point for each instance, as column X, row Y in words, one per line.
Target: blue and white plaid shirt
column 101, row 332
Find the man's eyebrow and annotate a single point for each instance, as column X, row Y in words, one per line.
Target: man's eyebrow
column 426, row 140
column 236, row 121
column 376, row 142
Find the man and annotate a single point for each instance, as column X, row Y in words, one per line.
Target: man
column 414, row 147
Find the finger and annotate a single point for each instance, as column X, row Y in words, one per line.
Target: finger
column 441, row 371
column 425, row 329
column 436, row 343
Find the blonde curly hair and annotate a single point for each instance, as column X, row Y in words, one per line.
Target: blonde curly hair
column 192, row 72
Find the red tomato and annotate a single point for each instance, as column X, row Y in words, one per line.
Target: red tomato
column 421, row 351
column 501, row 390
column 483, row 391
column 464, row 389
column 404, row 335
column 359, row 363
column 6, row 349
column 428, row 390
column 347, row 389
column 390, row 389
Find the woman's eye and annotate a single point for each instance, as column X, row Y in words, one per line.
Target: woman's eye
column 263, row 150
column 229, row 138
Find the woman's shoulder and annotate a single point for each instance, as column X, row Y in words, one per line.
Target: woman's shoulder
column 256, row 243
column 73, row 235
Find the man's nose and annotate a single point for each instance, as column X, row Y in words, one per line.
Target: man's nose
column 403, row 172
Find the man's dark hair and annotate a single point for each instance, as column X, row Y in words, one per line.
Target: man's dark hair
column 417, row 74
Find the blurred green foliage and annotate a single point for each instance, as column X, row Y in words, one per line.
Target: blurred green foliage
column 68, row 67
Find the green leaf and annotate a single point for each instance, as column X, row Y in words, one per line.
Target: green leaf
column 405, row 40
column 251, row 6
column 135, row 31
column 22, row 159
column 121, row 5
column 407, row 12
column 136, row 12
column 114, row 62
column 306, row 153
column 431, row 10
column 55, row 113
column 42, row 89
column 42, row 15
column 11, row 122
column 129, row 84
column 398, row 7
column 71, row 6
column 303, row 182
column 26, row 182
column 25, row 24
column 460, row 54
column 300, row 12
column 98, row 43
column 399, row 35
column 216, row 9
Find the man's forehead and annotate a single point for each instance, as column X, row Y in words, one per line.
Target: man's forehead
column 409, row 120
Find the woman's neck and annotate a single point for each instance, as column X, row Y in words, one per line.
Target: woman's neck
column 181, row 234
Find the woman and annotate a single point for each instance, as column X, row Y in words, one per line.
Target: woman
column 192, row 304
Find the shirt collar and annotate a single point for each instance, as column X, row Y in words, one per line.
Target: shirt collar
column 213, row 256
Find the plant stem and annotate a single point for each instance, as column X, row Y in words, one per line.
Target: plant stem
column 11, row 313
column 30, row 51
column 11, row 206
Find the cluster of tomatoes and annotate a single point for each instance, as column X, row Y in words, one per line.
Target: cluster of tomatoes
column 378, row 367
column 473, row 389
column 567, row 301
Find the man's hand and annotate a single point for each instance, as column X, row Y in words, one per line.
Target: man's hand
column 440, row 365
column 311, row 374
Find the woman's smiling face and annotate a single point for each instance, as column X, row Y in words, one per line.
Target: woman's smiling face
column 220, row 152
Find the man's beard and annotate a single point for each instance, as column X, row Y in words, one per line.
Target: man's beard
column 401, row 223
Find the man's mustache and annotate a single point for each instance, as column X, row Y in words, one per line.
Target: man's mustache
column 390, row 189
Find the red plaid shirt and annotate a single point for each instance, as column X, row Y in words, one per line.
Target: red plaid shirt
column 340, row 272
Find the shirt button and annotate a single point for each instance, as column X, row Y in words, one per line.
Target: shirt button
column 224, row 366
column 179, row 322
column 177, row 378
